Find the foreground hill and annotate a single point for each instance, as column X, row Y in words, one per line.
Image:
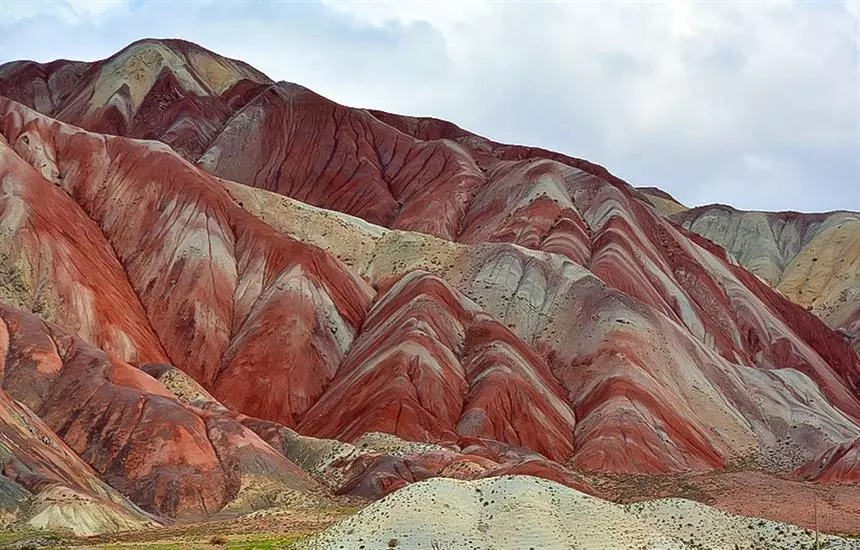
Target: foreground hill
column 328, row 301
column 524, row 512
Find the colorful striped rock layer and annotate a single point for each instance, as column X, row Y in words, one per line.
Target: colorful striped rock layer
column 222, row 292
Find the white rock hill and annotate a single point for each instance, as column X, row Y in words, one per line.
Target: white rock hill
column 523, row 513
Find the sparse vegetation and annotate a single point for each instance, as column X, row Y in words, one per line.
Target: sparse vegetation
column 25, row 540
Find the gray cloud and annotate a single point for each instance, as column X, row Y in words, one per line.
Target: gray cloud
column 752, row 104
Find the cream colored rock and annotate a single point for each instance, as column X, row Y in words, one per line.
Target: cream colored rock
column 516, row 512
column 714, row 529
column 316, row 455
column 374, row 251
column 63, row 508
column 182, row 386
column 825, row 275
column 393, row 445
column 665, row 203
column 137, row 69
column 505, row 512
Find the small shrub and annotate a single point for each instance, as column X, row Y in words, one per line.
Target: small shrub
column 218, row 540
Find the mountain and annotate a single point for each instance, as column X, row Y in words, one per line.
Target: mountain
column 812, row 259
column 303, row 302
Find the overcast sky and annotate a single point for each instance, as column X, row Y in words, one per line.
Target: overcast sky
column 753, row 104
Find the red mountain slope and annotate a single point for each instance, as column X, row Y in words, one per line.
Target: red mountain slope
column 520, row 310
column 168, row 458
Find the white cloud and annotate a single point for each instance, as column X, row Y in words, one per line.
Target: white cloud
column 441, row 13
column 71, row 11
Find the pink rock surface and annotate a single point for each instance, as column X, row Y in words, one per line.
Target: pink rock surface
column 36, row 461
column 214, row 282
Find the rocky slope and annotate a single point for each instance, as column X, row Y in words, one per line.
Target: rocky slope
column 171, row 459
column 524, row 512
column 665, row 203
column 813, row 259
column 46, row 485
column 313, row 299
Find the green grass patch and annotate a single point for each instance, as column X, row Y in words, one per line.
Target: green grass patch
column 263, row 543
